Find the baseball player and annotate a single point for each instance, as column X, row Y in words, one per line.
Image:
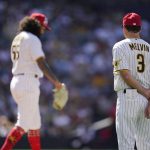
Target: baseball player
column 131, row 60
column 29, row 65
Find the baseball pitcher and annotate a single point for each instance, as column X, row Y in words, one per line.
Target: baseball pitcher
column 29, row 65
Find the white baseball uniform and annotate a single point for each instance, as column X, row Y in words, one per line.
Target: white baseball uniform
column 131, row 124
column 25, row 49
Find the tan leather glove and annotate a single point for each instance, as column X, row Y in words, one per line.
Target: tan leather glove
column 60, row 97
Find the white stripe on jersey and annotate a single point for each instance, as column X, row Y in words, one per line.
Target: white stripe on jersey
column 134, row 55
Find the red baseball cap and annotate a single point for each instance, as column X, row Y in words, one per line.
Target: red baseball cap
column 132, row 19
column 42, row 19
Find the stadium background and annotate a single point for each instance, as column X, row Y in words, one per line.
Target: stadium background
column 79, row 51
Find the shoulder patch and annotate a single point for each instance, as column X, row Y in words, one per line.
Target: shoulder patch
column 116, row 63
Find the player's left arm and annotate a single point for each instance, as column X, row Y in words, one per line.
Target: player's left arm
column 60, row 91
column 38, row 55
column 119, row 59
column 43, row 65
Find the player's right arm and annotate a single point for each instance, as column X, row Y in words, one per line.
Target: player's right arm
column 133, row 83
column 127, row 77
column 43, row 65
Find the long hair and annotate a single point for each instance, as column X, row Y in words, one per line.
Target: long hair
column 30, row 25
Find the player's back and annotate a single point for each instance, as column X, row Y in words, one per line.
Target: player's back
column 137, row 55
column 23, row 49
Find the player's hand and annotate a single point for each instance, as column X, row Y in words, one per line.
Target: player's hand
column 58, row 85
column 147, row 94
column 147, row 110
column 60, row 97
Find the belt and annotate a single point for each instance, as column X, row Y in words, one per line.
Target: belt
column 22, row 74
column 125, row 90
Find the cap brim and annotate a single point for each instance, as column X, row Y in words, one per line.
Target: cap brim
column 47, row 28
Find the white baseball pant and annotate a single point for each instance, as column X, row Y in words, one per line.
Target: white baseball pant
column 25, row 91
column 131, row 124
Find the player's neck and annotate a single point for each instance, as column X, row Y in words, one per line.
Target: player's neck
column 133, row 36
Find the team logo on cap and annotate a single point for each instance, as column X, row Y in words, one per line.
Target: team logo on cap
column 134, row 24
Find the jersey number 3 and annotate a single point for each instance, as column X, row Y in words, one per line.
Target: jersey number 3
column 141, row 63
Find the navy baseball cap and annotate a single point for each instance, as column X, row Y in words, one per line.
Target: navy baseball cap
column 132, row 19
column 42, row 19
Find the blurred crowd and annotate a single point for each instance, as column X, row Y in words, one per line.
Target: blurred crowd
column 79, row 51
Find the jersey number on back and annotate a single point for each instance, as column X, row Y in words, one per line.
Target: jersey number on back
column 15, row 52
column 141, row 63
column 16, row 47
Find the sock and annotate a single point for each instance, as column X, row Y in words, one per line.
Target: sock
column 13, row 137
column 34, row 139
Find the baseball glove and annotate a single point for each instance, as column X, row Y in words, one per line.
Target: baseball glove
column 60, row 97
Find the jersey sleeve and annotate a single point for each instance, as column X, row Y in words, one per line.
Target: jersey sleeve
column 36, row 49
column 120, row 60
